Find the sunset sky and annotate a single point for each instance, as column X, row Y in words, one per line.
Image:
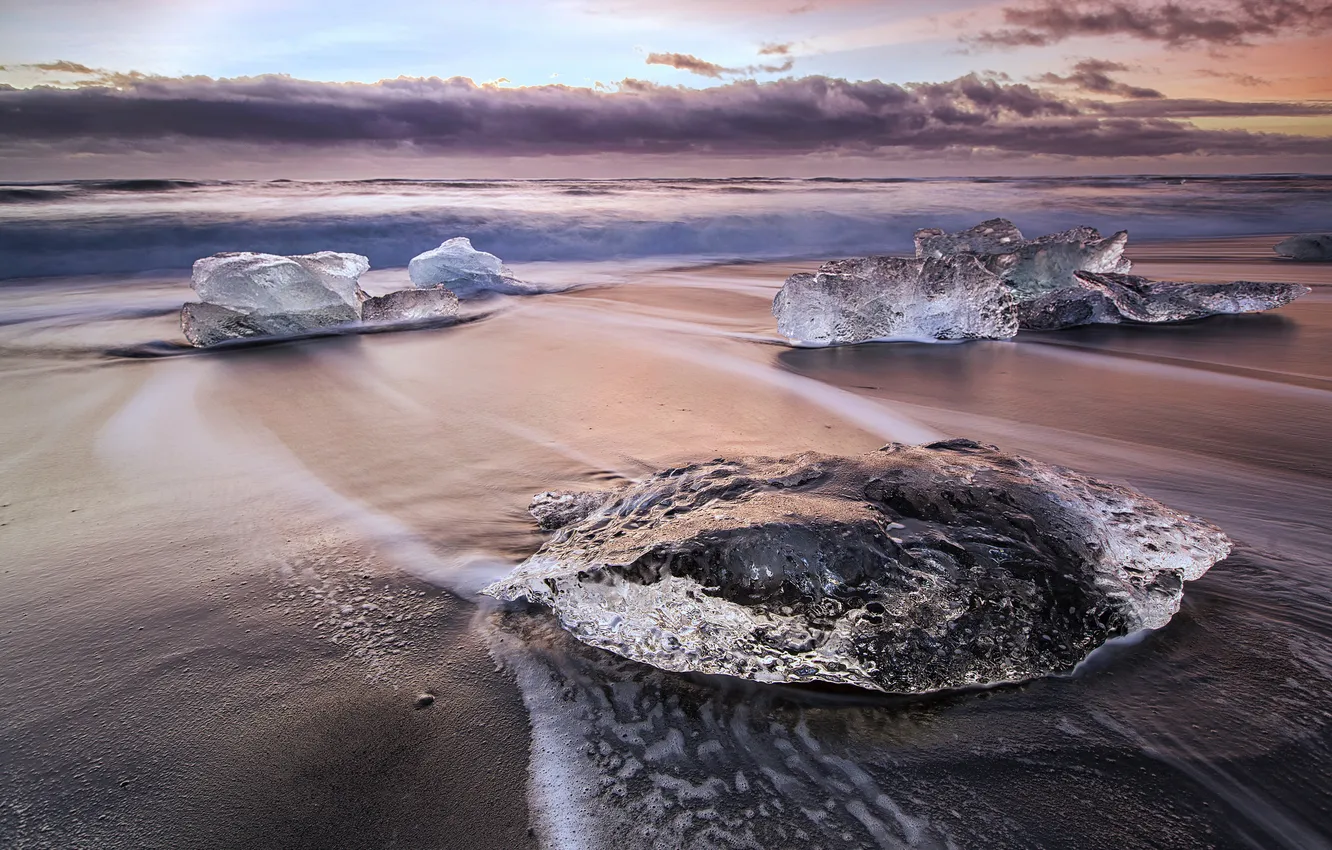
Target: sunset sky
column 612, row 87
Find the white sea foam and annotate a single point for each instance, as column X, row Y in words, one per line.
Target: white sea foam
column 620, row 758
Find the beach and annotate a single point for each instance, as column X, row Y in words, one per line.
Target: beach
column 231, row 578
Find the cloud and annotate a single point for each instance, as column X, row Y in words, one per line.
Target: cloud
column 744, row 118
column 692, row 64
column 63, row 66
column 785, row 65
column 1223, row 22
column 1093, row 75
column 60, row 66
column 775, row 49
column 704, row 68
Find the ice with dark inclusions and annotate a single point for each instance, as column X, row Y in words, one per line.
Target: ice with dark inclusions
column 1121, row 298
column 1035, row 266
column 1079, row 278
column 906, row 570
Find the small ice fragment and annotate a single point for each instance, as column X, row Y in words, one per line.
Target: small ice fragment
column 455, row 264
column 411, row 305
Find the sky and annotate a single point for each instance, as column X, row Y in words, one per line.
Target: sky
column 266, row 88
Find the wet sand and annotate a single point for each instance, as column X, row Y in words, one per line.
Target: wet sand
column 229, row 576
column 171, row 675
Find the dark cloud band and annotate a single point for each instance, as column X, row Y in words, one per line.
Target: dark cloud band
column 806, row 115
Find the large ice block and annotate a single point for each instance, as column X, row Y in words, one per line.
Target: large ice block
column 906, row 570
column 270, row 283
column 893, row 298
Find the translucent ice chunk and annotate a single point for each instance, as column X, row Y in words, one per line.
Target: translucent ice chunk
column 848, row 301
column 1048, row 263
column 458, row 266
column 1031, row 266
column 269, row 283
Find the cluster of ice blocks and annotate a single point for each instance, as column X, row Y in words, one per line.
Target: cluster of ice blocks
column 249, row 294
column 988, row 281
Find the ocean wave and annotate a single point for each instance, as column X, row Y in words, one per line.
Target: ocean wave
column 19, row 195
column 152, row 185
column 102, row 246
column 869, row 179
column 678, row 219
column 586, row 191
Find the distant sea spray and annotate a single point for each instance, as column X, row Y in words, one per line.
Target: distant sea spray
column 127, row 226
